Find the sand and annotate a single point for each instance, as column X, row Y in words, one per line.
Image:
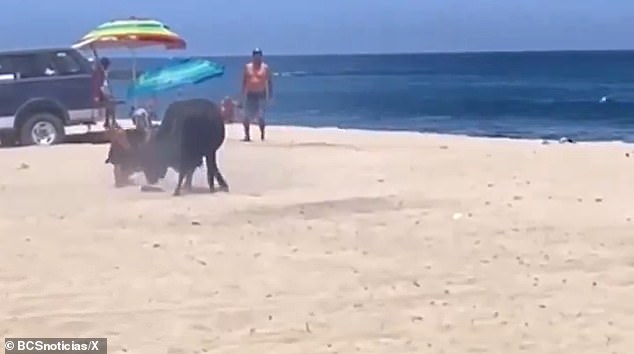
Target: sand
column 329, row 242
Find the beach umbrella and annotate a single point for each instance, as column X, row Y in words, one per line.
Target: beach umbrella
column 175, row 75
column 131, row 33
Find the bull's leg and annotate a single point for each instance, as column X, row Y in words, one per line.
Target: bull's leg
column 116, row 171
column 121, row 176
column 183, row 173
column 221, row 181
column 214, row 172
column 211, row 171
column 188, row 180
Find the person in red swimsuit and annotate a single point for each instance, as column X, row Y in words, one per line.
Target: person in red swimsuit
column 101, row 91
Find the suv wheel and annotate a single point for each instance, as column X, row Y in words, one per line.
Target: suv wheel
column 42, row 129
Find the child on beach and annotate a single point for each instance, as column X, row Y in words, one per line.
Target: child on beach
column 229, row 109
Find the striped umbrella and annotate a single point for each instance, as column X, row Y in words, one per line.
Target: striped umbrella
column 131, row 33
column 173, row 76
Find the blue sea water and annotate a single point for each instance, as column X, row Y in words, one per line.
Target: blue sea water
column 536, row 95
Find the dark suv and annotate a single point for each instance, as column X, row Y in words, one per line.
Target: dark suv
column 41, row 92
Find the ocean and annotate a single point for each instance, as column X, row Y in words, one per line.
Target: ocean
column 534, row 95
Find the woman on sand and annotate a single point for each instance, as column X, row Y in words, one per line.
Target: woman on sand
column 124, row 146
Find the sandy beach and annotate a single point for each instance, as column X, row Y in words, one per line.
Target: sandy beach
column 329, row 242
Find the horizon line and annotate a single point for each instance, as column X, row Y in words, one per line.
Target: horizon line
column 521, row 51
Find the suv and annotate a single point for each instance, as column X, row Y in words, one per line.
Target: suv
column 41, row 92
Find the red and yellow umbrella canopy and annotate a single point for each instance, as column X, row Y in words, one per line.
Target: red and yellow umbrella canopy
column 131, row 33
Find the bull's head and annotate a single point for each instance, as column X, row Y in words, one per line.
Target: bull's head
column 154, row 162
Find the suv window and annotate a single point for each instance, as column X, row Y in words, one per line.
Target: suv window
column 5, row 65
column 32, row 65
column 65, row 64
column 41, row 64
column 6, row 69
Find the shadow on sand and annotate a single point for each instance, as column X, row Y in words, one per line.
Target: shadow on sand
column 87, row 138
column 193, row 190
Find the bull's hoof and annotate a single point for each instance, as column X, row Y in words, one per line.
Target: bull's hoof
column 149, row 188
column 176, row 193
column 123, row 183
column 224, row 189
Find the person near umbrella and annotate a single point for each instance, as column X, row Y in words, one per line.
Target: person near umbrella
column 257, row 91
column 101, row 91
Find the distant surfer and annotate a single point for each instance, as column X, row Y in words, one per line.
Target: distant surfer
column 257, row 91
column 604, row 99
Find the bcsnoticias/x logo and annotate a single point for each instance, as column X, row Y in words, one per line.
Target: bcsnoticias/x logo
column 56, row 345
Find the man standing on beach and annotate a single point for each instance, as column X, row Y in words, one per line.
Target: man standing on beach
column 257, row 91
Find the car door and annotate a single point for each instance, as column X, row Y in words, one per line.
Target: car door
column 32, row 78
column 8, row 104
column 74, row 81
column 49, row 75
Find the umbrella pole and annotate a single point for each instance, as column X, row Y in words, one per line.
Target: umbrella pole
column 134, row 101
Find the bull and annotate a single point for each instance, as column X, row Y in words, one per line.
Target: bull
column 191, row 130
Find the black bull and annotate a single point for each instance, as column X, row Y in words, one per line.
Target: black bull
column 190, row 131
